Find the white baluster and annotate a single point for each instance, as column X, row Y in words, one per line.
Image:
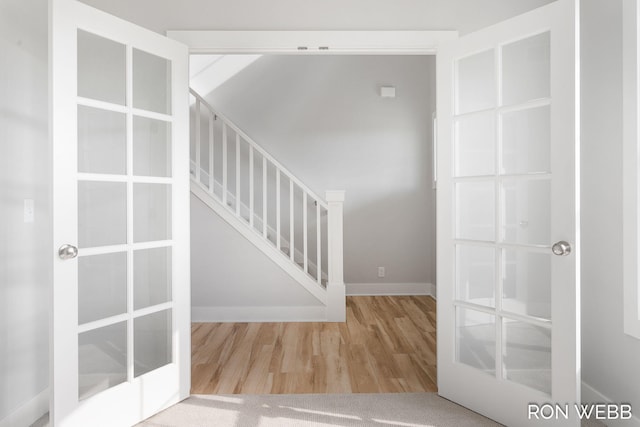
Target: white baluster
column 278, row 208
column 264, row 197
column 304, row 232
column 251, row 185
column 318, row 244
column 211, row 158
column 238, row 198
column 197, row 131
column 336, row 303
column 292, row 230
column 224, row 164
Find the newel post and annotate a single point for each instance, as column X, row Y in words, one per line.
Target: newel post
column 336, row 302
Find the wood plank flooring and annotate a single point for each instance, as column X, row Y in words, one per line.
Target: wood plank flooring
column 387, row 345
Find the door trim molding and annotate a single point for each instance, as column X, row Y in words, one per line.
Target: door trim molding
column 313, row 42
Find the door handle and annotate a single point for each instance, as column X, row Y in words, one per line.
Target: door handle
column 561, row 248
column 67, row 252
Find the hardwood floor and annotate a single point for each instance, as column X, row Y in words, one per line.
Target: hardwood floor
column 387, row 345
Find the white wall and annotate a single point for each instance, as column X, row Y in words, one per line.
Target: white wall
column 322, row 117
column 609, row 357
column 236, row 278
column 25, row 262
column 462, row 15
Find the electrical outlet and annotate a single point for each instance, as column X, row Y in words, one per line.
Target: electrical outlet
column 381, row 272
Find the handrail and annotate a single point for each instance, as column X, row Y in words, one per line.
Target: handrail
column 260, row 150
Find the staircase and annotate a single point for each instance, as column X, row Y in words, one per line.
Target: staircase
column 269, row 206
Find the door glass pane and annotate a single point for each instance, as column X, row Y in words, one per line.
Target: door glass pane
column 102, row 359
column 475, row 145
column 151, row 147
column 151, row 82
column 527, row 206
column 152, row 342
column 526, row 69
column 102, row 213
column 527, row 354
column 475, row 274
column 152, row 277
column 102, row 141
column 475, row 210
column 526, row 283
column 476, row 82
column 476, row 339
column 102, row 286
column 526, row 141
column 101, row 68
column 151, row 212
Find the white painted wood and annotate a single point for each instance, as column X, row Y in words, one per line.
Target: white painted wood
column 122, row 178
column 292, row 230
column 265, row 246
column 434, row 151
column 138, row 398
column 631, row 167
column 379, row 289
column 198, row 137
column 123, row 109
column 130, row 276
column 122, row 317
column 251, row 185
column 299, row 259
column 305, row 232
column 315, row 42
column 313, row 313
column 318, row 244
column 264, row 198
column 278, row 209
column 238, row 186
column 503, row 400
column 258, row 148
column 225, row 171
column 336, row 305
column 244, row 212
column 99, row 250
column 211, row 149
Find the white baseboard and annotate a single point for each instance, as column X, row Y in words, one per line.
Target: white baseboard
column 363, row 289
column 259, row 314
column 591, row 395
column 28, row 413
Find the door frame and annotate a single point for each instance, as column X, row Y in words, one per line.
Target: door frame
column 313, row 42
column 339, row 43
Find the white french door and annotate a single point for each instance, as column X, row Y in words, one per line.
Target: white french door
column 508, row 249
column 121, row 299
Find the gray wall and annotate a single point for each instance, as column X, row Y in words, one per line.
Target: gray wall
column 236, row 274
column 25, row 267
column 322, row 117
column 609, row 357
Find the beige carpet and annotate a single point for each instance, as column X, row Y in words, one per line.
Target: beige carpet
column 316, row 410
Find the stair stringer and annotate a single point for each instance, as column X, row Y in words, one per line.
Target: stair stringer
column 277, row 256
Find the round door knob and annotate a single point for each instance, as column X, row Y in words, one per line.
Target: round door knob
column 561, row 248
column 67, row 252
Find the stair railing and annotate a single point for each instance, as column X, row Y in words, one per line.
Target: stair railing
column 326, row 267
